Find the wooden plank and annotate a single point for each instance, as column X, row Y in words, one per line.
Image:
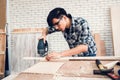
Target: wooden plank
column 2, row 14
column 44, row 68
column 2, row 51
column 79, row 78
column 41, row 70
column 2, row 40
column 2, row 63
column 103, row 49
column 80, row 69
column 102, row 58
column 115, row 20
column 27, row 30
column 29, row 76
column 13, row 77
column 98, row 43
column 70, row 69
column 42, row 59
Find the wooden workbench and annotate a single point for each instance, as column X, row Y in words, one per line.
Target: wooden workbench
column 79, row 68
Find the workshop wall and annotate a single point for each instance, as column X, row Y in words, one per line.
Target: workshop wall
column 33, row 13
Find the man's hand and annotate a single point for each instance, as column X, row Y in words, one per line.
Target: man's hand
column 44, row 34
column 53, row 55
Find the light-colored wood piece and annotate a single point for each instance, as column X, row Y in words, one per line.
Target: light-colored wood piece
column 2, row 64
column 27, row 30
column 2, row 40
column 44, row 68
column 29, row 76
column 35, row 77
column 69, row 70
column 41, row 70
column 2, row 14
column 2, row 51
column 80, row 69
column 115, row 20
column 103, row 49
column 98, row 43
column 105, row 58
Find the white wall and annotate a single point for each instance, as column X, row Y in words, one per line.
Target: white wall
column 33, row 13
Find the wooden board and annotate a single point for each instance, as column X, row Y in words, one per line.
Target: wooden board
column 69, row 70
column 2, row 14
column 44, row 68
column 98, row 43
column 115, row 20
column 27, row 30
column 103, row 49
column 2, row 51
column 30, row 76
column 80, row 69
column 2, row 40
column 37, row 77
column 41, row 70
column 102, row 58
column 2, row 63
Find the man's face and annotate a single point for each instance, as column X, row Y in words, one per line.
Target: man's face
column 59, row 23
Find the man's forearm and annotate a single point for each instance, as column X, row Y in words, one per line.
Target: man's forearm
column 44, row 31
column 76, row 50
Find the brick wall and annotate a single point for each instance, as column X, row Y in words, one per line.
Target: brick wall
column 33, row 13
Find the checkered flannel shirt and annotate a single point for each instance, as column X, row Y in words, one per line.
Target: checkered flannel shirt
column 78, row 34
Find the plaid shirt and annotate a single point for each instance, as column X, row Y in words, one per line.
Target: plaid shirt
column 79, row 34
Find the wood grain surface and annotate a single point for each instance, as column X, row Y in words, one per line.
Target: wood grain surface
column 70, row 70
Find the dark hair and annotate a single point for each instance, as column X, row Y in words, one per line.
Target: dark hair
column 56, row 13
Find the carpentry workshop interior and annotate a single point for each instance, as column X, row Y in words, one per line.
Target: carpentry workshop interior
column 34, row 47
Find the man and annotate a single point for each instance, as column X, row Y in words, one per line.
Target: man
column 76, row 32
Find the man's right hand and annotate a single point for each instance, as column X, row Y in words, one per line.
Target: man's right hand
column 44, row 33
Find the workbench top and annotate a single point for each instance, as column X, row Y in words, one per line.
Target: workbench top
column 68, row 69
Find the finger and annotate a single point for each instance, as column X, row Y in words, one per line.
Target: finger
column 44, row 39
column 47, row 58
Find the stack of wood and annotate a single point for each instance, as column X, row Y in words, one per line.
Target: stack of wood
column 2, row 51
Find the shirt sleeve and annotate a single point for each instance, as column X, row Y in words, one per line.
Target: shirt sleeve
column 85, row 35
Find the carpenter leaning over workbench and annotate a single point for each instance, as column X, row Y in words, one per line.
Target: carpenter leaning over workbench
column 76, row 32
